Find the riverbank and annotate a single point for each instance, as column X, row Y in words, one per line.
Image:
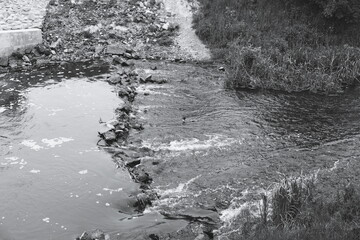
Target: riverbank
column 107, row 31
column 293, row 46
column 124, row 35
column 197, row 159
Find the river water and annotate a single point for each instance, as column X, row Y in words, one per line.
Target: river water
column 55, row 183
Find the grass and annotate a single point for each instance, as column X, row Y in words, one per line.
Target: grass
column 295, row 212
column 281, row 45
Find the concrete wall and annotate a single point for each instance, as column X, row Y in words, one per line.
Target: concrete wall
column 13, row 40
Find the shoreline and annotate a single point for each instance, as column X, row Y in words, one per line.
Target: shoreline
column 101, row 39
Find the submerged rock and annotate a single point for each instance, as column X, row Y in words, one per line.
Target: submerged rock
column 96, row 234
column 142, row 200
column 84, row 236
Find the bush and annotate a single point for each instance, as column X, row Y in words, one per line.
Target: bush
column 295, row 45
column 342, row 10
column 298, row 214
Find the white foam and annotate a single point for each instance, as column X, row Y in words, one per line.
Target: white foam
column 83, row 172
column 47, row 220
column 181, row 188
column 213, row 141
column 31, row 144
column 2, row 109
column 112, row 190
column 34, row 171
column 56, row 141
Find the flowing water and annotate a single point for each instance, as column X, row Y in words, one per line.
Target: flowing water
column 233, row 145
column 55, row 183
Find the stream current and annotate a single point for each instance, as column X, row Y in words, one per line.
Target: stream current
column 55, row 182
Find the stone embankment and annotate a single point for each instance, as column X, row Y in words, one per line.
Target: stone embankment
column 20, row 26
column 22, row 14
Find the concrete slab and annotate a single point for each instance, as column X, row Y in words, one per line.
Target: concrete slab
column 13, row 40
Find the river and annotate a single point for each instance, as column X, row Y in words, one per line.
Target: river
column 56, row 183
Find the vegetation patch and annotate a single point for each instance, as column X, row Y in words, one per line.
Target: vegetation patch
column 323, row 205
column 297, row 45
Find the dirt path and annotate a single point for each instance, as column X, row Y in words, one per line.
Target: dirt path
column 187, row 39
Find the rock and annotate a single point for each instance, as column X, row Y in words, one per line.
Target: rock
column 116, row 49
column 98, row 235
column 35, row 52
column 140, row 175
column 68, row 50
column 165, row 26
column 142, row 200
column 148, row 78
column 108, row 136
column 200, row 237
column 132, row 163
column 153, row 68
column 56, row 44
column 138, row 126
column 26, row 59
column 12, row 63
column 123, row 93
column 84, row 236
column 99, row 49
column 43, row 50
column 141, row 4
column 4, row 61
column 121, row 29
column 42, row 62
column 154, row 237
column 93, row 29
column 115, row 79
column 77, row 2
column 221, row 69
column 17, row 55
column 128, row 55
column 126, row 108
column 119, row 60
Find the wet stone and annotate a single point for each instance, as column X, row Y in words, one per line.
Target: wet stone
column 115, row 79
column 108, row 136
column 4, row 61
column 116, row 49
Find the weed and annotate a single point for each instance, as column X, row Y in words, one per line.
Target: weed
column 282, row 45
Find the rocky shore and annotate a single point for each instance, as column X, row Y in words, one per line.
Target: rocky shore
column 112, row 31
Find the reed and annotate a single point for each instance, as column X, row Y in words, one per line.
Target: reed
column 293, row 211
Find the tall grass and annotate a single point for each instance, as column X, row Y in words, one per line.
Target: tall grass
column 295, row 212
column 277, row 44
